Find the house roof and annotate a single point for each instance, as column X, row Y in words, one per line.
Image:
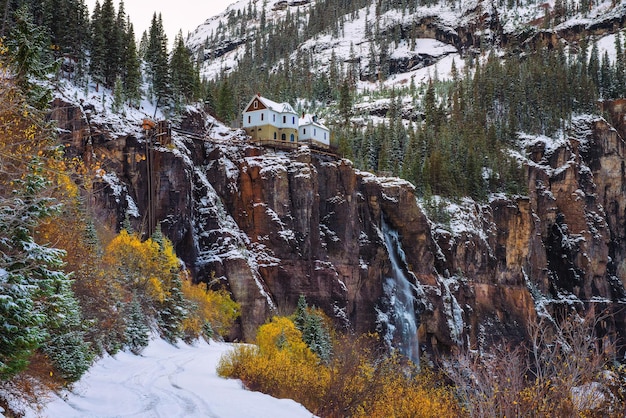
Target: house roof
column 272, row 105
column 277, row 107
column 309, row 119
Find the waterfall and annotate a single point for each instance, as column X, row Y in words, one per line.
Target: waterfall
column 400, row 292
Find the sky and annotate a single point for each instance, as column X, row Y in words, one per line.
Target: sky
column 177, row 14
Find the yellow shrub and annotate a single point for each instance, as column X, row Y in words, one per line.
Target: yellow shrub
column 400, row 395
column 281, row 364
column 143, row 266
column 213, row 307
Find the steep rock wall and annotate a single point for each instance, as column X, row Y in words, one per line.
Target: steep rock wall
column 271, row 226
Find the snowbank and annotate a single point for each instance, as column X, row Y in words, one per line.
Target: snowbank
column 165, row 381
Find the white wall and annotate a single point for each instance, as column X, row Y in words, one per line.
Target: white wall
column 314, row 132
column 270, row 117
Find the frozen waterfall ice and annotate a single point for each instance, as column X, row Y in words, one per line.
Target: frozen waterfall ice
column 400, row 292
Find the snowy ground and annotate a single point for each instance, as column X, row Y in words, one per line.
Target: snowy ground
column 165, row 381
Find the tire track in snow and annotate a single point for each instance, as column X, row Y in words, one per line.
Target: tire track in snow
column 164, row 382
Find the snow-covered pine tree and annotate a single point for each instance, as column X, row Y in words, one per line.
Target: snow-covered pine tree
column 33, row 285
column 137, row 332
column 28, row 45
column 71, row 356
column 314, row 333
column 117, row 105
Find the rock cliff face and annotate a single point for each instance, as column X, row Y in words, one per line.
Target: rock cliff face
column 271, row 226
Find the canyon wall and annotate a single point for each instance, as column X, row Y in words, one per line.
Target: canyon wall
column 271, row 226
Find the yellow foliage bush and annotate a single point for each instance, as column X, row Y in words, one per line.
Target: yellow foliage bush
column 281, row 364
column 143, row 266
column 355, row 382
column 207, row 306
column 400, row 396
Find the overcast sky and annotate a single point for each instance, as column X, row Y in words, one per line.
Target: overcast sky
column 177, row 14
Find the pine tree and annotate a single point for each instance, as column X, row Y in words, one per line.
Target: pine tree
column 28, row 46
column 593, row 69
column 132, row 69
column 225, row 105
column 157, row 60
column 314, row 333
column 137, row 332
column 607, row 86
column 620, row 67
column 345, row 101
column 97, row 46
column 27, row 269
column 117, row 105
column 110, row 34
column 184, row 77
column 71, row 356
column 67, row 24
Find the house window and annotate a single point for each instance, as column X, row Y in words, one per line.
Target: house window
column 256, row 104
column 284, row 119
column 292, row 138
column 262, row 114
column 283, row 137
column 304, row 131
column 273, row 118
column 314, row 132
column 324, row 135
column 249, row 119
column 293, row 120
column 274, row 136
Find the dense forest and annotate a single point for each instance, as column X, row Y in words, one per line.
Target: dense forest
column 95, row 291
column 458, row 145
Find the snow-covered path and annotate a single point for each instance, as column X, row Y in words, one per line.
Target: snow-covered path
column 165, row 381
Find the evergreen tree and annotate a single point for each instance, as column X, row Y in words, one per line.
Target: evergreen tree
column 137, row 332
column 345, row 101
column 118, row 96
column 184, row 77
column 593, row 69
column 112, row 44
column 132, row 69
column 71, row 356
column 225, row 105
column 310, row 322
column 67, row 23
column 27, row 271
column 157, row 59
column 97, row 46
column 620, row 67
column 28, row 46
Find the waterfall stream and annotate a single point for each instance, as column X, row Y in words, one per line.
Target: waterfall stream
column 400, row 292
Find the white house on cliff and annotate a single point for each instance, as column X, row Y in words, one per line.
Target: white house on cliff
column 311, row 131
column 269, row 122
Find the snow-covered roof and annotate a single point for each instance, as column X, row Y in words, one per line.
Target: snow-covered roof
column 309, row 119
column 276, row 107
